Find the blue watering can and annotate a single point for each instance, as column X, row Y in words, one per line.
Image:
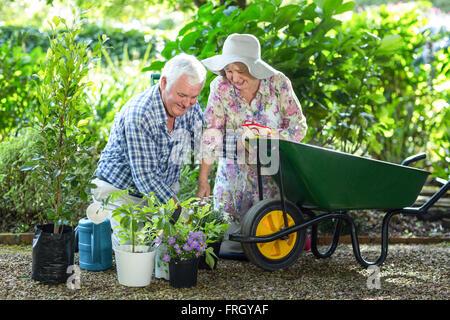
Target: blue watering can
column 94, row 245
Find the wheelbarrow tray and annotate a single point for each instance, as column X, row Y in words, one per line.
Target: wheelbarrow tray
column 332, row 180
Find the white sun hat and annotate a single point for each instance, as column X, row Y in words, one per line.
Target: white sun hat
column 243, row 48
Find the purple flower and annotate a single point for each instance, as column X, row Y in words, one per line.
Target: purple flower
column 158, row 241
column 186, row 247
column 171, row 240
column 166, row 258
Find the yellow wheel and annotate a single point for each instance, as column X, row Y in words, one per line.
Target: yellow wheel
column 271, row 223
column 266, row 218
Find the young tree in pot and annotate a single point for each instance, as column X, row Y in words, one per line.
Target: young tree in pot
column 63, row 145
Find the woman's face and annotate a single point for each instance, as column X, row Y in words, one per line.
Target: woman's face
column 237, row 73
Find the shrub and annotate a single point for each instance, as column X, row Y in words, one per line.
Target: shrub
column 22, row 195
column 356, row 82
column 17, row 95
column 133, row 41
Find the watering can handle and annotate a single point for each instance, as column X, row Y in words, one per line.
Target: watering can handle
column 95, row 243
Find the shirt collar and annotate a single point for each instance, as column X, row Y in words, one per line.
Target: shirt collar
column 159, row 110
column 264, row 87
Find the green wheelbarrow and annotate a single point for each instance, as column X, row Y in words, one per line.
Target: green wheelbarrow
column 318, row 184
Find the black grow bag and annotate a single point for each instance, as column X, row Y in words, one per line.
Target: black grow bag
column 52, row 254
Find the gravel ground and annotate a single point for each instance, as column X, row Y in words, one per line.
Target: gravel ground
column 411, row 272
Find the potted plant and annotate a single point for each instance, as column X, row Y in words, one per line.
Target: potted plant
column 213, row 226
column 63, row 147
column 186, row 239
column 135, row 256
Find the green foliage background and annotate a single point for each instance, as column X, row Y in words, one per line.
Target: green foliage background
column 360, row 82
column 371, row 84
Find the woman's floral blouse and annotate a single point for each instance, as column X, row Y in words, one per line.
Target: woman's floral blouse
column 275, row 106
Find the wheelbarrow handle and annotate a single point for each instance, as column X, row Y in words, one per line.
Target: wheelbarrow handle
column 414, row 158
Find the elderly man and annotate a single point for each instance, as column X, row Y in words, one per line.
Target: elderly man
column 149, row 136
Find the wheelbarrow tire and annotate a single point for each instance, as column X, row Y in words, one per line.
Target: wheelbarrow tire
column 280, row 253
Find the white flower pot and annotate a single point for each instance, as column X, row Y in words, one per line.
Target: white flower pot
column 134, row 269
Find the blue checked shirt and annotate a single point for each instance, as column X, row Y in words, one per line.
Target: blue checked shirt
column 141, row 153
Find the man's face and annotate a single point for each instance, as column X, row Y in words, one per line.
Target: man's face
column 180, row 96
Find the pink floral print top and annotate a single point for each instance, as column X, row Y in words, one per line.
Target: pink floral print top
column 275, row 106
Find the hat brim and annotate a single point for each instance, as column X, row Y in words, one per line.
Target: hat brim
column 257, row 68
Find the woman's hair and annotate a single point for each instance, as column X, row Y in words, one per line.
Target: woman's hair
column 184, row 64
column 241, row 65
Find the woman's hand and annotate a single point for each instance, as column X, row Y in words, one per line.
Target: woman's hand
column 204, row 189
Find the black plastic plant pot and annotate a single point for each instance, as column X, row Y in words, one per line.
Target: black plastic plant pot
column 202, row 262
column 183, row 274
column 52, row 254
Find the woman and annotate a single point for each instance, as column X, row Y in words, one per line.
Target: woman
column 247, row 89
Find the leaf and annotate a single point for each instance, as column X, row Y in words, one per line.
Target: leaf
column 389, row 44
column 354, row 83
column 377, row 98
column 267, row 13
column 297, row 27
column 252, row 12
column 328, row 6
column 309, row 13
column 347, row 6
column 154, row 66
column 170, row 49
column 286, row 15
column 56, row 20
column 205, row 11
column 188, row 27
column 209, row 257
column 188, row 40
column 29, row 166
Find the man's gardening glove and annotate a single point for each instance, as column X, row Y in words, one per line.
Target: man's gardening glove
column 175, row 215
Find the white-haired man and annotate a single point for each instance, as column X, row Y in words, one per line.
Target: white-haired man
column 149, row 136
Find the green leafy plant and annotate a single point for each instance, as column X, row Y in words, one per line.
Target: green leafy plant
column 18, row 96
column 189, row 235
column 17, row 185
column 214, row 224
column 135, row 223
column 63, row 146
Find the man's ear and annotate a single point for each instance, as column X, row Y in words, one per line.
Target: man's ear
column 163, row 83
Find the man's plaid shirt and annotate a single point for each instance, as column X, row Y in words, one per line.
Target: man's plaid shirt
column 141, row 152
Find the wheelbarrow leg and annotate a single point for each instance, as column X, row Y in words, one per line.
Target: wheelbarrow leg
column 343, row 216
column 314, row 234
column 384, row 240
